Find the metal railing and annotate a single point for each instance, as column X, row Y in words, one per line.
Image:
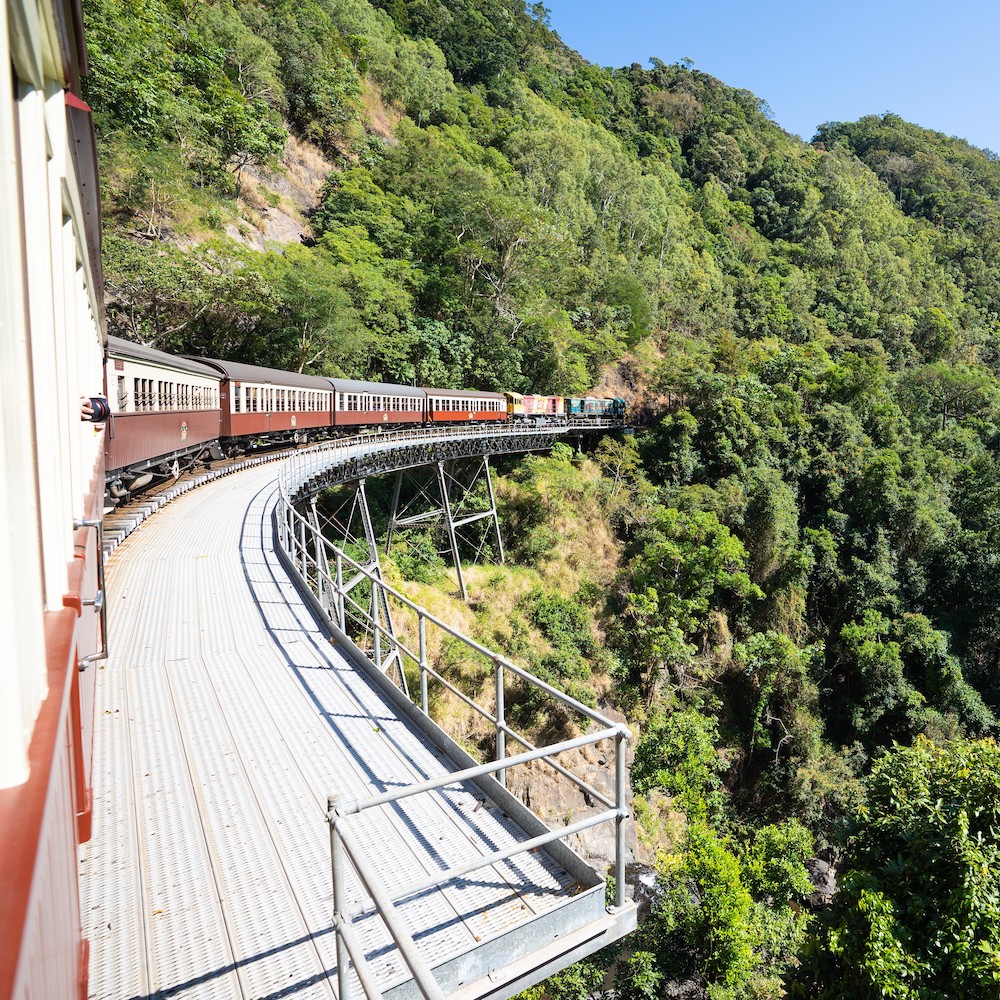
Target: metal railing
column 323, row 568
column 506, row 436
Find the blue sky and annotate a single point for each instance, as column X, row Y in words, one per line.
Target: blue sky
column 933, row 63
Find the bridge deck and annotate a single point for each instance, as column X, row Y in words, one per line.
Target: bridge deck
column 225, row 717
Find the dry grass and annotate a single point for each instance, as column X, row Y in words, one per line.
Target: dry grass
column 381, row 119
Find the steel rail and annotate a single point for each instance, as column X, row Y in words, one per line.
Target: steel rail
column 456, row 634
column 360, row 907
column 306, row 473
column 351, row 807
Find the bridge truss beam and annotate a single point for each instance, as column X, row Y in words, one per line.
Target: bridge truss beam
column 444, row 494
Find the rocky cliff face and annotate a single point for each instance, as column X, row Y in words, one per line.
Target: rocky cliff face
column 558, row 802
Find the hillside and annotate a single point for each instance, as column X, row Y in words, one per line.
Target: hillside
column 793, row 597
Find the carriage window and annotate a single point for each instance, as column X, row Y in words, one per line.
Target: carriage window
column 122, row 393
column 236, row 394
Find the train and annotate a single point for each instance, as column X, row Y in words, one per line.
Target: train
column 156, row 414
column 168, row 413
column 52, row 489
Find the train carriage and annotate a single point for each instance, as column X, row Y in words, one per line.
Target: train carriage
column 376, row 403
column 594, row 407
column 610, row 408
column 515, row 405
column 164, row 409
column 52, row 340
column 269, row 405
column 543, row 406
column 453, row 405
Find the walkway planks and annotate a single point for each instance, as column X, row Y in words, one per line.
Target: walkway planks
column 224, row 719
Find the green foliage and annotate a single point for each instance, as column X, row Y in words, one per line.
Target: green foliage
column 703, row 919
column 809, row 519
column 567, row 626
column 677, row 752
column 773, row 863
column 683, row 563
column 918, row 913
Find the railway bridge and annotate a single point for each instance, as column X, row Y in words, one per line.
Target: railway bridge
column 274, row 814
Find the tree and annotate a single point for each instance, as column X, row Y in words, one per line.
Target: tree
column 918, row 914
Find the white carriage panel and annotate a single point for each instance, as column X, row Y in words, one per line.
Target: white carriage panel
column 133, row 370
column 254, row 397
column 88, row 365
column 22, row 671
column 82, row 435
column 57, row 405
column 56, row 531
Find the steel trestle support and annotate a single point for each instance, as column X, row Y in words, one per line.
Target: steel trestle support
column 342, row 529
column 450, row 506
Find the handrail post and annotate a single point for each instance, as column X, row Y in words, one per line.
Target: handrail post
column 303, row 549
column 376, row 623
column 422, row 629
column 318, row 550
column 341, row 612
column 620, row 819
column 337, row 872
column 99, row 602
column 501, row 720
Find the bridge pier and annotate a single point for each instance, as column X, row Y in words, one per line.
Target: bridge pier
column 447, row 496
column 348, row 526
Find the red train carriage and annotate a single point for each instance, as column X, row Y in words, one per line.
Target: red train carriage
column 451, row 405
column 379, row 403
column 271, row 406
column 164, row 410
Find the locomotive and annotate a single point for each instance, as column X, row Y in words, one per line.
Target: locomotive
column 168, row 413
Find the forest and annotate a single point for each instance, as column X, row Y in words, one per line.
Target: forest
column 793, row 596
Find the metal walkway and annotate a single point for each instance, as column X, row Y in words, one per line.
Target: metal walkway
column 225, row 717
